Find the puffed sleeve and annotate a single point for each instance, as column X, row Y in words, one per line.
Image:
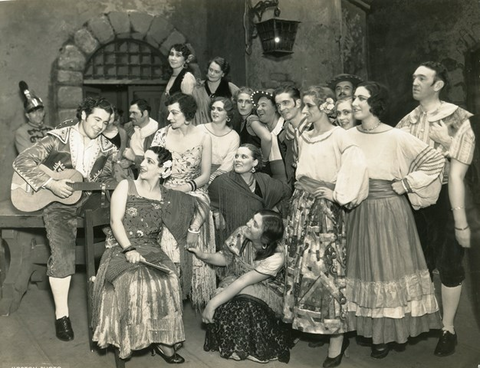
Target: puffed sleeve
column 423, row 167
column 272, row 265
column 351, row 186
column 188, row 84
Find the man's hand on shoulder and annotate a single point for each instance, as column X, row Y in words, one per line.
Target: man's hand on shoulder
column 439, row 133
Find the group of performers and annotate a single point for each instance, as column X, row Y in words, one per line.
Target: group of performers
column 309, row 223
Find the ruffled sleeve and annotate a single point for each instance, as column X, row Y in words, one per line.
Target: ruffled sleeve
column 351, row 186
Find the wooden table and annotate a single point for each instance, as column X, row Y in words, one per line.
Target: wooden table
column 20, row 232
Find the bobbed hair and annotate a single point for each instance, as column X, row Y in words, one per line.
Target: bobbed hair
column 227, row 105
column 162, row 154
column 378, row 99
column 187, row 104
column 241, row 90
column 183, row 48
column 319, row 93
column 222, row 63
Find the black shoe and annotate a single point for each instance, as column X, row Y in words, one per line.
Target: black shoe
column 446, row 344
column 379, row 351
column 63, row 329
column 174, row 359
column 335, row 362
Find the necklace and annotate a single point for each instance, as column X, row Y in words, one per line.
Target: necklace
column 251, row 182
column 372, row 128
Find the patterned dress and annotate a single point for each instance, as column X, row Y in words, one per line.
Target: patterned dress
column 249, row 325
column 137, row 305
column 315, row 236
column 197, row 278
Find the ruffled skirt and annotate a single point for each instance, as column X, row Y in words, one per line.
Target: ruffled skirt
column 140, row 307
column 389, row 291
column 316, row 260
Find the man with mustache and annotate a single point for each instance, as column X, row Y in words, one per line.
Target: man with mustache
column 80, row 146
column 442, row 227
column 343, row 85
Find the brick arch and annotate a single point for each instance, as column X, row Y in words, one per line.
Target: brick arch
column 69, row 66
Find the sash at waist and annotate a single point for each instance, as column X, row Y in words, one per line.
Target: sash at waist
column 380, row 189
column 309, row 185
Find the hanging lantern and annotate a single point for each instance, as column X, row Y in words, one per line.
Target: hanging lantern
column 277, row 36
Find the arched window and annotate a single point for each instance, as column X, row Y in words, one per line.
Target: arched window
column 124, row 62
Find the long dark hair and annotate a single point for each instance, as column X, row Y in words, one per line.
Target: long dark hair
column 273, row 229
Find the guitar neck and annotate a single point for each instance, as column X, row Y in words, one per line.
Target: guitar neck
column 91, row 186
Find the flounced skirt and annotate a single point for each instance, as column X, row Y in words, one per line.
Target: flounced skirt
column 389, row 291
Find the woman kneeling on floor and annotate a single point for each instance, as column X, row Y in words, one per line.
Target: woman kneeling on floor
column 244, row 315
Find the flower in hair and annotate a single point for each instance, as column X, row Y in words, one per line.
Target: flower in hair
column 328, row 106
column 167, row 165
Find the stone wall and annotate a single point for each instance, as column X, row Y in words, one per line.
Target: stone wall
column 403, row 34
column 47, row 42
column 316, row 57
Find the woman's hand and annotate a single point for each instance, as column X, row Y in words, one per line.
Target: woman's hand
column 198, row 253
column 463, row 237
column 325, row 193
column 398, row 187
column 207, row 315
column 134, row 257
column 192, row 239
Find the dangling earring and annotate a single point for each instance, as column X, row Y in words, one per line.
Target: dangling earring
column 187, row 122
column 185, row 65
column 252, row 170
column 264, row 246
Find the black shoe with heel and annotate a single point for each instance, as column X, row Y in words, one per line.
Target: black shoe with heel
column 173, row 359
column 379, row 351
column 335, row 362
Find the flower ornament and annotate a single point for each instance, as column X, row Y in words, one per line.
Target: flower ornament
column 328, row 106
column 167, row 169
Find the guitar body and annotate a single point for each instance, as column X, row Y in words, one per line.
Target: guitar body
column 25, row 199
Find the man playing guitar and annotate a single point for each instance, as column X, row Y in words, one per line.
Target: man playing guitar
column 81, row 147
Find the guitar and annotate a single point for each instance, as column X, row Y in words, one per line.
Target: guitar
column 25, row 199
